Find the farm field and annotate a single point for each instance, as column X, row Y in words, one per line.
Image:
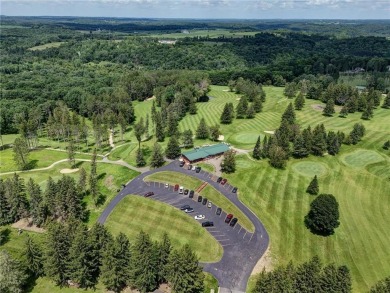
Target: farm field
column 203, row 33
column 209, row 192
column 46, row 46
column 156, row 218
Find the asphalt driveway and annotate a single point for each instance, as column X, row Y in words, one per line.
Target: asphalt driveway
column 242, row 249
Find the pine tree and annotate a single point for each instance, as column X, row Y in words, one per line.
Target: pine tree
column 266, row 147
column 33, row 257
column 257, row 104
column 368, row 113
column 160, row 133
column 202, row 132
column 12, row 276
column 307, row 276
column 333, row 143
column 242, row 107
column 37, row 206
column 157, row 159
column 20, row 153
column 172, row 124
column 15, row 193
column 192, row 109
column 289, row 114
column 228, row 164
column 250, row 113
column 116, row 261
column 153, row 113
column 344, row 111
column 82, row 180
column 313, row 187
column 188, row 141
column 329, row 108
column 282, row 136
column 300, row 150
column 140, row 160
column 318, row 147
column 257, row 150
column 214, row 132
column 173, row 149
column 386, row 145
column 164, row 250
column 144, row 263
column 183, row 271
column 361, row 103
column 277, row 157
column 357, row 133
column 71, row 153
column 299, row 101
column 386, row 102
column 93, row 188
column 226, row 117
column 139, row 130
column 5, row 216
column 290, row 90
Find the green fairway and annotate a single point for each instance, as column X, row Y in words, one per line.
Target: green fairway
column 135, row 213
column 46, row 46
column 309, row 169
column 361, row 158
column 209, row 192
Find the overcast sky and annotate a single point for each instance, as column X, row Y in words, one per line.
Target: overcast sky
column 244, row 9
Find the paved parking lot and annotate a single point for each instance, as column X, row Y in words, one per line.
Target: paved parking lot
column 242, row 249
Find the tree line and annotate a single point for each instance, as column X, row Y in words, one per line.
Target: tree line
column 73, row 255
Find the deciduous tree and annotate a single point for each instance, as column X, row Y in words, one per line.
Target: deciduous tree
column 20, row 152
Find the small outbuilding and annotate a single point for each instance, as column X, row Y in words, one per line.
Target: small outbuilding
column 205, row 152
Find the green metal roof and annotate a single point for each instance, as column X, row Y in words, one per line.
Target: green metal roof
column 204, row 152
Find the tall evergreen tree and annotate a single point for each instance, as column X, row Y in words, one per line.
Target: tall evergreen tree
column 318, row 147
column 242, row 107
column 329, row 108
column 333, row 143
column 192, row 109
column 144, row 263
column 202, row 132
column 33, row 257
column 277, row 157
column 214, row 132
column 357, row 133
column 12, row 276
column 160, row 133
column 172, row 124
column 368, row 113
column 173, row 149
column 250, row 112
column 20, row 153
column 15, row 192
column 289, row 114
column 257, row 104
column 157, row 159
column 183, row 271
column 187, row 139
column 307, row 276
column 299, row 101
column 140, row 160
column 282, row 136
column 5, row 216
column 93, row 188
column 313, row 187
column 226, row 117
column 386, row 145
column 308, row 137
column 164, row 250
column 228, row 164
column 82, row 180
column 139, row 130
column 266, row 147
column 344, row 111
column 257, row 150
column 71, row 148
column 386, row 102
column 300, row 150
column 37, row 206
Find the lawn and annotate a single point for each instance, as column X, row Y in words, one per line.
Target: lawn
column 209, row 192
column 38, row 158
column 137, row 213
column 46, row 46
column 207, row 167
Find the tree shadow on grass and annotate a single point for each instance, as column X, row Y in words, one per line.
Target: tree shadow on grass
column 78, row 164
column 100, row 200
column 31, row 165
column 101, row 176
column 4, row 236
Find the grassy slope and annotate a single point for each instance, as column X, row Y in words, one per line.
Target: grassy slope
column 209, row 192
column 279, row 200
column 155, row 218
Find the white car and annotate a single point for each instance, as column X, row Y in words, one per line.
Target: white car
column 199, row 217
column 166, row 185
column 209, row 204
column 193, row 168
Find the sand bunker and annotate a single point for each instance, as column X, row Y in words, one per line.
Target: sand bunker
column 26, row 224
column 269, row 131
column 68, row 171
column 265, row 262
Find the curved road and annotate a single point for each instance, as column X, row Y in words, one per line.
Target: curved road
column 242, row 250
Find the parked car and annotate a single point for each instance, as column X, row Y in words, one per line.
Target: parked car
column 233, row 222
column 190, row 210
column 228, row 218
column 219, row 179
column 210, row 204
column 191, row 194
column 166, row 185
column 197, row 169
column 199, row 198
column 186, row 191
column 181, row 189
column 149, row 194
column 199, row 217
column 189, row 167
column 234, row 190
column 176, row 187
column 207, row 224
column 223, row 181
column 204, row 201
column 186, row 206
column 182, row 163
column 219, row 211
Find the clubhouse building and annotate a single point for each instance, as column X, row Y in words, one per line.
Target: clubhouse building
column 205, row 152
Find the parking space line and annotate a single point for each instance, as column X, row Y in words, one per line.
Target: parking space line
column 219, row 240
column 224, row 245
column 251, row 237
column 245, row 234
column 239, row 230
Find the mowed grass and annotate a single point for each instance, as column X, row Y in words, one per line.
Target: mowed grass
column 216, row 33
column 209, row 192
column 308, row 168
column 110, row 179
column 361, row 158
column 46, row 46
column 39, row 158
column 136, row 213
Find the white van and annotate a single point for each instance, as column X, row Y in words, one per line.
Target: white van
column 181, row 190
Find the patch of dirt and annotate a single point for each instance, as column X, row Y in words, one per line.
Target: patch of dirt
column 269, row 131
column 68, row 171
column 318, row 107
column 26, row 224
column 221, row 138
column 151, row 98
column 109, row 181
column 238, row 99
column 265, row 262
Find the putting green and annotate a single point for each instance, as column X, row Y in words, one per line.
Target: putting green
column 244, row 163
column 244, row 138
column 309, row 169
column 361, row 158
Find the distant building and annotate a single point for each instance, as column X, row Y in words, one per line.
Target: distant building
column 205, row 152
column 360, row 88
column 167, row 42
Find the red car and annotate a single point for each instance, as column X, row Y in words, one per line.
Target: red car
column 223, row 181
column 149, row 194
column 176, row 187
column 228, row 218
